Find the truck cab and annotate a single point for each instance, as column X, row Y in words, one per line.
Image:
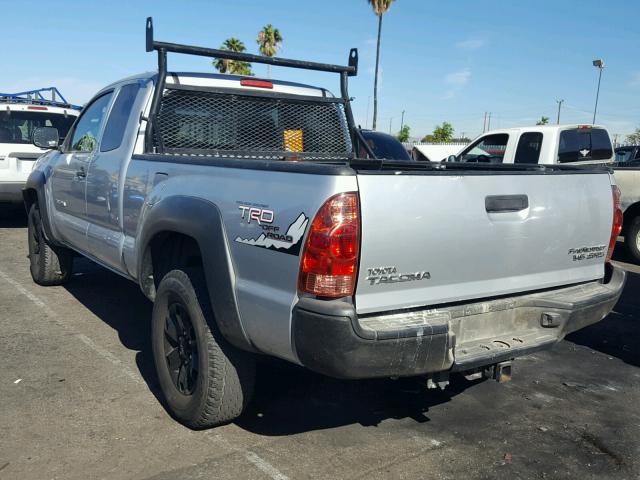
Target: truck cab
column 540, row 144
column 20, row 114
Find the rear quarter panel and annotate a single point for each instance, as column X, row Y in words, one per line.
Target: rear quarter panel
column 265, row 279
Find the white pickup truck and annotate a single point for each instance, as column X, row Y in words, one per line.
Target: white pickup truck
column 20, row 114
column 545, row 144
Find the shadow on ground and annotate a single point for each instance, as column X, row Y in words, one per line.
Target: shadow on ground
column 618, row 335
column 12, row 216
column 288, row 399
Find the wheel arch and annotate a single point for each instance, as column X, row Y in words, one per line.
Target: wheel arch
column 179, row 231
column 629, row 214
column 34, row 192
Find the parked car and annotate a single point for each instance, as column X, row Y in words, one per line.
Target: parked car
column 240, row 208
column 540, row 144
column 20, row 115
column 385, row 146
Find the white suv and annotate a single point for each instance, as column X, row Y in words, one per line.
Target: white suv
column 20, row 114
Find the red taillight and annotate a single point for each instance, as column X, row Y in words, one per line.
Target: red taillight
column 34, row 107
column 616, row 226
column 329, row 264
column 252, row 82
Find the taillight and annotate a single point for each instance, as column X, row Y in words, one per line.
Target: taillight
column 616, row 226
column 329, row 264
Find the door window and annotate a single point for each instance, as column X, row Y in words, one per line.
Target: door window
column 489, row 149
column 87, row 128
column 529, row 146
column 117, row 121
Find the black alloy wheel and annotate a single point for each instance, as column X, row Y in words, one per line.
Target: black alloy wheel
column 181, row 348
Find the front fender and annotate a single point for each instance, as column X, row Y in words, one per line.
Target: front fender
column 201, row 220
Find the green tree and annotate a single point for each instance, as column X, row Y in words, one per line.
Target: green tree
column 543, row 121
column 234, row 67
column 634, row 137
column 403, row 134
column 441, row 134
column 269, row 41
column 380, row 7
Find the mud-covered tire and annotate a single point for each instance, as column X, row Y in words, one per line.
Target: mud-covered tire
column 222, row 385
column 632, row 239
column 48, row 264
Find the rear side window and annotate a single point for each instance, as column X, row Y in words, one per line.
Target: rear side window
column 583, row 144
column 529, row 146
column 117, row 121
column 489, row 149
column 222, row 124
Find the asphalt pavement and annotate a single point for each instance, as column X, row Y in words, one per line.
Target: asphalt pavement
column 79, row 400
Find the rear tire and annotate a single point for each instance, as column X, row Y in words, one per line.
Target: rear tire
column 49, row 265
column 204, row 380
column 632, row 239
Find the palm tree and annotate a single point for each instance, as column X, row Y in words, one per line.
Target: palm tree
column 380, row 7
column 234, row 67
column 270, row 41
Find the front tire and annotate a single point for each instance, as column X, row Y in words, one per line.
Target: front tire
column 204, row 380
column 48, row 265
column 632, row 239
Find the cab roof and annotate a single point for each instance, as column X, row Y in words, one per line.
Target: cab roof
column 219, row 80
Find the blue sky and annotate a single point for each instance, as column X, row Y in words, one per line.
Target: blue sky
column 440, row 60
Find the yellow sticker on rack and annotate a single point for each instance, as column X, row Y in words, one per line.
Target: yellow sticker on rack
column 293, row 141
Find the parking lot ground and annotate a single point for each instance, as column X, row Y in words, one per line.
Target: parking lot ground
column 78, row 400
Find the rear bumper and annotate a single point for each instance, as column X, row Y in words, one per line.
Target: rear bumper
column 11, row 192
column 330, row 338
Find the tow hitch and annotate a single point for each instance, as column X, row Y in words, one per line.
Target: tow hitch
column 500, row 372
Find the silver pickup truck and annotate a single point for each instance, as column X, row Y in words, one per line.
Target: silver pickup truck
column 258, row 221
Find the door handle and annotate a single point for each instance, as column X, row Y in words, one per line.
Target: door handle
column 81, row 173
column 505, row 203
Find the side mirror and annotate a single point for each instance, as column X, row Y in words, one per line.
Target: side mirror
column 46, row 137
column 452, row 158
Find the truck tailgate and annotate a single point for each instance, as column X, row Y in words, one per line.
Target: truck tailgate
column 438, row 237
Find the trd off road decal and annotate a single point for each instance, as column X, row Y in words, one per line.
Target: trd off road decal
column 272, row 236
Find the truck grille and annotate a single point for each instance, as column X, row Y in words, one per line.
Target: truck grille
column 230, row 124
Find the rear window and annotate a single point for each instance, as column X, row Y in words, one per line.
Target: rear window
column 211, row 123
column 18, row 126
column 583, row 144
column 489, row 149
column 529, row 146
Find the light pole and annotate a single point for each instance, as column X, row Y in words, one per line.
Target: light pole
column 559, row 102
column 366, row 122
column 599, row 64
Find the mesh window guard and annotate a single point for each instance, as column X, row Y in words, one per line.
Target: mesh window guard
column 229, row 124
